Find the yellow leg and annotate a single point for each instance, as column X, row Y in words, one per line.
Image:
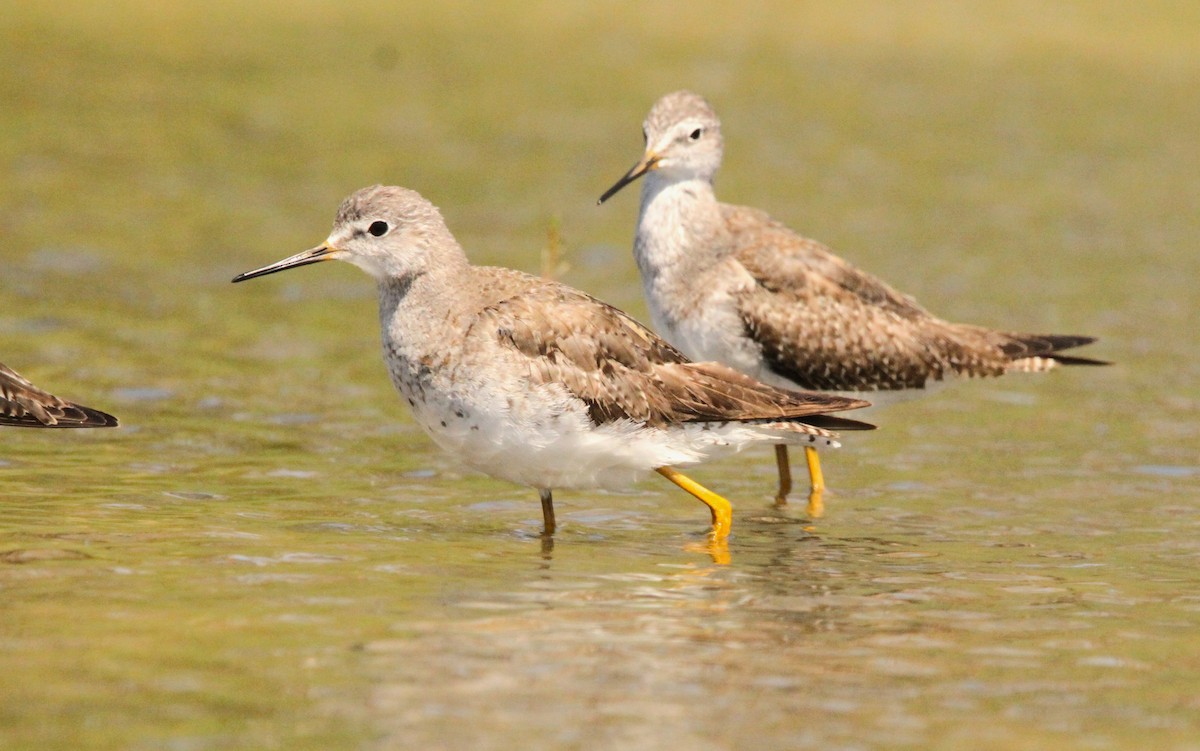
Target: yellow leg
column 722, row 511
column 816, row 506
column 785, row 474
column 814, row 469
column 547, row 512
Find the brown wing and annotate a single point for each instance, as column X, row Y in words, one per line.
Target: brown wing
column 824, row 324
column 24, row 405
column 787, row 260
column 622, row 370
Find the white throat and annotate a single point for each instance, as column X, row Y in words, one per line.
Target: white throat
column 680, row 235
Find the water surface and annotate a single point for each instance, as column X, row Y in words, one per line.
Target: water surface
column 269, row 554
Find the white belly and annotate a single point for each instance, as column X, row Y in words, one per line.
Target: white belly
column 529, row 444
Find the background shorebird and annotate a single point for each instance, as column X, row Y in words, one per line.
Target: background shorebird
column 537, row 383
column 26, row 406
column 729, row 283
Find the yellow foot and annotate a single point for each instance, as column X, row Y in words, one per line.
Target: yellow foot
column 816, row 505
column 717, row 548
column 722, row 511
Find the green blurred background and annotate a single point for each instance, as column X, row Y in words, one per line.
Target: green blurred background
column 1024, row 165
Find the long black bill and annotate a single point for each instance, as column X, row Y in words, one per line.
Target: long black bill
column 313, row 255
column 647, row 163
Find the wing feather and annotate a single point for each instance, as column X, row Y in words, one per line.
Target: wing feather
column 24, row 405
column 824, row 324
column 622, row 370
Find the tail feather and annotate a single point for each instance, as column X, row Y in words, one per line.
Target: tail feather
column 1072, row 360
column 831, row 422
column 1048, row 346
column 1064, row 341
column 717, row 393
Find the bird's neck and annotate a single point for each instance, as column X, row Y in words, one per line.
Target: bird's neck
column 680, row 235
column 421, row 312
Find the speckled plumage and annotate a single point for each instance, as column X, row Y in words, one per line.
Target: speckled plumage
column 24, row 405
column 535, row 382
column 823, row 324
column 729, row 283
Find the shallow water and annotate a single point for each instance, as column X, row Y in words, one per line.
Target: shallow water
column 269, row 554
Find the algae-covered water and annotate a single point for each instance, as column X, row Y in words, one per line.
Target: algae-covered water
column 269, row 554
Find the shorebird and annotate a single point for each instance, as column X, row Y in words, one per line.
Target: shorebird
column 24, row 405
column 539, row 384
column 731, row 284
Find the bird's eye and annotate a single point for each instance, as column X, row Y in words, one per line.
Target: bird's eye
column 695, row 134
column 378, row 229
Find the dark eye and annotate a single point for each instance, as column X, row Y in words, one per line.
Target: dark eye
column 695, row 134
column 378, row 229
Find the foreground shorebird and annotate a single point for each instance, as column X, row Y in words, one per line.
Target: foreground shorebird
column 730, row 284
column 24, row 405
column 537, row 383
